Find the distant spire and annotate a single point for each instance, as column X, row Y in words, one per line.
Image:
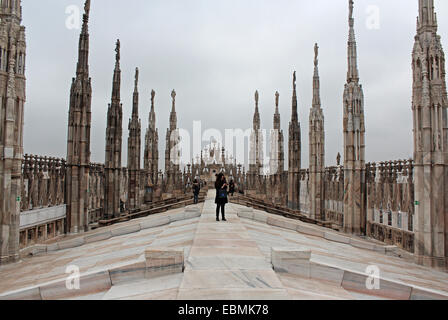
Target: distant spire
column 135, row 100
column 277, row 113
column 295, row 116
column 87, row 8
column 83, row 50
column 427, row 20
column 117, row 54
column 277, row 98
column 136, row 80
column 316, row 80
column 117, row 75
column 257, row 98
column 152, row 114
column 173, row 116
column 173, row 96
column 257, row 112
column 352, row 74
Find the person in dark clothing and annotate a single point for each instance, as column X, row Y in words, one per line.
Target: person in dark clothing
column 221, row 196
column 231, row 187
column 196, row 190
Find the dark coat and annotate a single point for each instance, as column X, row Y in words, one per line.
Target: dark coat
column 218, row 186
column 196, row 188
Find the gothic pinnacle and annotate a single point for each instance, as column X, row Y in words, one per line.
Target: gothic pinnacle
column 117, row 75
column 152, row 114
column 257, row 112
column 117, row 55
column 352, row 74
column 87, row 7
column 136, row 80
column 257, row 97
column 153, row 95
column 277, row 98
column 350, row 18
column 83, row 49
column 316, row 80
column 173, row 96
column 86, row 13
column 135, row 101
column 277, row 113
column 295, row 116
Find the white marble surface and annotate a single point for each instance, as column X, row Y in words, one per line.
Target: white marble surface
column 223, row 260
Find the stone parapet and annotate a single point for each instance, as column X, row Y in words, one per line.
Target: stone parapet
column 316, row 231
column 102, row 234
column 299, row 262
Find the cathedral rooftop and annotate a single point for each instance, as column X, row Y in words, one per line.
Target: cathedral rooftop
column 254, row 255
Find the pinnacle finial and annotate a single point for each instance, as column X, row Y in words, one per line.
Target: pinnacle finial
column 316, row 81
column 87, row 7
column 136, row 78
column 294, row 80
column 352, row 74
column 173, row 95
column 85, row 18
column 153, row 95
column 86, row 14
column 117, row 50
column 256, row 97
column 351, row 7
column 277, row 97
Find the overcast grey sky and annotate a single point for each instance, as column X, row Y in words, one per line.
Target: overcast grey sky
column 216, row 53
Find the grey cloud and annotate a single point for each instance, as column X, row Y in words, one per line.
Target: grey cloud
column 216, row 53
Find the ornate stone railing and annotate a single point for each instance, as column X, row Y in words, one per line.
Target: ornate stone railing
column 43, row 182
column 390, row 202
column 334, row 195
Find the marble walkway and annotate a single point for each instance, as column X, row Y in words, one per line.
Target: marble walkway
column 226, row 263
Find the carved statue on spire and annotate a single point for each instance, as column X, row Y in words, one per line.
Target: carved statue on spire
column 87, row 7
column 117, row 50
column 153, row 95
column 136, row 77
column 256, row 97
column 294, row 79
column 277, row 96
column 316, row 55
column 351, row 5
column 173, row 95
